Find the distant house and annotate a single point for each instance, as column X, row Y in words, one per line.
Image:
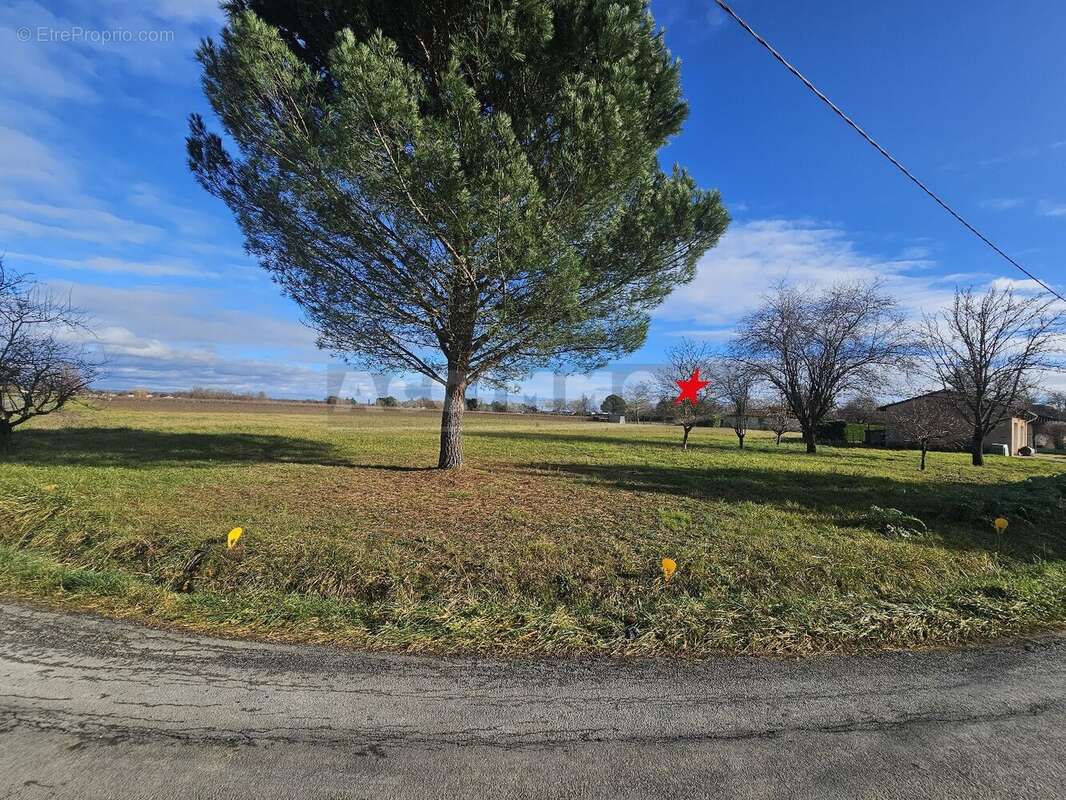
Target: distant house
column 1017, row 430
column 757, row 419
column 1045, row 415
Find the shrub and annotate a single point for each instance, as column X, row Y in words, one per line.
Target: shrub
column 1056, row 433
column 893, row 523
column 842, row 432
column 1036, row 499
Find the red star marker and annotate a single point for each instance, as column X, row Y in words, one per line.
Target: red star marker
column 690, row 388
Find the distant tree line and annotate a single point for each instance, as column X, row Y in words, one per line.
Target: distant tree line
column 206, row 393
column 817, row 359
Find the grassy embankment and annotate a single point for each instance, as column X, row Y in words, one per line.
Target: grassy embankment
column 550, row 541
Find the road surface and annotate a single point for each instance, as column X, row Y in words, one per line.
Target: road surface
column 91, row 708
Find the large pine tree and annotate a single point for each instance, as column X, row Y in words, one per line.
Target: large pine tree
column 466, row 189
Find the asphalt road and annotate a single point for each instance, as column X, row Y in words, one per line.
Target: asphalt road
column 91, row 708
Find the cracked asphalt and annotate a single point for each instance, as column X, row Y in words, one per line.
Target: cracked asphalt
column 92, row 708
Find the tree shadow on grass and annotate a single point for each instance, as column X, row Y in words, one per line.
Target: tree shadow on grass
column 954, row 510
column 667, row 439
column 136, row 447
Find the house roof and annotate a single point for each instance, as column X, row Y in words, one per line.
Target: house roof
column 1033, row 408
column 1047, row 413
column 916, row 397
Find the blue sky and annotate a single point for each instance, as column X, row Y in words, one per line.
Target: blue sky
column 95, row 197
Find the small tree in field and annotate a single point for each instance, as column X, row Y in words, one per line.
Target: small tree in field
column 735, row 385
column 927, row 420
column 987, row 350
column 41, row 369
column 468, row 191
column 683, row 359
column 814, row 347
column 779, row 419
column 613, row 404
column 640, row 399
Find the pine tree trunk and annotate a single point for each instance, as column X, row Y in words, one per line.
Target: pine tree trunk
column 977, row 450
column 451, row 421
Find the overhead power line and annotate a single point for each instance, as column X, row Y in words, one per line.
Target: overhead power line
column 873, row 143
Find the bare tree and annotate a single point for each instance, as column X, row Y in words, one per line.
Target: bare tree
column 735, row 385
column 582, row 406
column 926, row 420
column 815, row 347
column 640, row 398
column 861, row 408
column 1057, row 400
column 683, row 359
column 41, row 367
column 779, row 419
column 986, row 350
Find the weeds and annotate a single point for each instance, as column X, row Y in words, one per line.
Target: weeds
column 551, row 540
column 894, row 524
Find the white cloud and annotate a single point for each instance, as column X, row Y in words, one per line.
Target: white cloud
column 753, row 256
column 716, row 335
column 1002, row 203
column 84, row 223
column 44, row 69
column 180, row 370
column 170, row 340
column 118, row 341
column 25, row 160
column 66, row 56
column 1031, row 151
column 103, row 264
column 153, row 202
column 1024, row 286
column 1018, row 154
column 191, row 317
column 189, row 10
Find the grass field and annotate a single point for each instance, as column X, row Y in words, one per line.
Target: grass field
column 549, row 541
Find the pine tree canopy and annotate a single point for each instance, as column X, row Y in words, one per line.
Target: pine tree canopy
column 463, row 189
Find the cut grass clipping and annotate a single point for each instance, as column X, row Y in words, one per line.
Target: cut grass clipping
column 555, row 539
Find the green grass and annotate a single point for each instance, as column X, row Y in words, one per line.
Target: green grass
column 549, row 541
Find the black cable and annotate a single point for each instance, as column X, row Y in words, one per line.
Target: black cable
column 725, row 7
